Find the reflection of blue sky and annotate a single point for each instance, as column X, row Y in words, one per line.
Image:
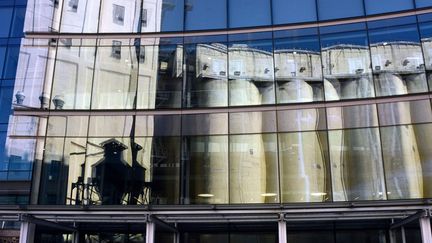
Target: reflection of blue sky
column 332, row 9
column 172, row 15
column 423, row 3
column 299, row 11
column 5, row 19
column 397, row 29
column 383, row 6
column 205, row 14
column 245, row 13
column 309, row 43
column 348, row 38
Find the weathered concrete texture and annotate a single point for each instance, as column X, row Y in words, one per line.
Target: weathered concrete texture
column 424, row 141
column 390, row 84
column 400, row 56
column 297, row 63
column 416, row 83
column 345, row 59
column 301, row 157
column 247, row 169
column 213, row 92
column 243, row 92
column 295, row 91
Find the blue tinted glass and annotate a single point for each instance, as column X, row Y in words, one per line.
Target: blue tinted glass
column 425, row 25
column 6, row 2
column 18, row 22
column 248, row 13
column 298, row 40
column 172, row 15
column 250, row 36
column 299, row 11
column 385, row 6
column 5, row 102
column 423, row 3
column 333, row 9
column 2, row 58
column 348, row 34
column 398, row 29
column 5, row 20
column 11, row 62
column 205, row 14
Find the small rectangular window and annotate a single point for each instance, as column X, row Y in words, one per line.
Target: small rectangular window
column 118, row 14
column 144, row 18
column 73, row 4
column 116, row 49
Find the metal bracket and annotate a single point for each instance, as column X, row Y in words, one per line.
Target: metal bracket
column 161, row 223
column 409, row 219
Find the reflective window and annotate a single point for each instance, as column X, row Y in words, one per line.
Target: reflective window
column 206, row 83
column 171, row 16
column 346, row 62
column 241, row 122
column 304, row 167
column 116, row 76
column 17, row 159
column 300, row 11
column 43, row 15
column 251, row 73
column 301, row 120
column 331, row 9
column 11, row 62
column 161, row 77
column 6, row 93
column 205, row 124
column 118, row 16
column 356, row 164
column 297, row 61
column 73, row 76
column 352, row 116
column 205, row 14
column 206, row 165
column 81, row 16
column 240, row 12
column 70, row 126
column 425, row 27
column 423, row 3
column 5, row 19
column 115, row 126
column 397, row 57
column 2, row 58
column 18, row 22
column 396, row 113
column 253, row 169
column 407, row 153
column 385, row 6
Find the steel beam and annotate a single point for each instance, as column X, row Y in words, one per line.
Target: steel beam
column 162, row 224
column 27, row 231
column 150, row 232
column 409, row 219
column 282, row 229
column 425, row 228
column 37, row 221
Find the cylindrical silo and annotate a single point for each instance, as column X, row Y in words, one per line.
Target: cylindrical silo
column 303, row 168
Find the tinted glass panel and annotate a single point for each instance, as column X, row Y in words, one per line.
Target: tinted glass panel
column 81, row 16
column 425, row 27
column 172, row 15
column 423, row 3
column 205, row 14
column 11, row 60
column 240, row 12
column 331, row 9
column 385, row 6
column 5, row 19
column 18, row 22
column 299, row 11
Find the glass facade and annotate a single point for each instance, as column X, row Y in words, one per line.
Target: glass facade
column 201, row 105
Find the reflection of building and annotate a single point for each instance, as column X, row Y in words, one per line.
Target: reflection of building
column 302, row 133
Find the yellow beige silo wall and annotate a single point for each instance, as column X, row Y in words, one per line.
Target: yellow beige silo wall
column 335, row 137
column 302, row 161
column 401, row 154
column 247, row 157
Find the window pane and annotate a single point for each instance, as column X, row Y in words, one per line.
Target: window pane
column 252, row 122
column 5, row 19
column 172, row 15
column 346, row 62
column 115, row 126
column 207, row 84
column 356, row 163
column 425, row 26
column 11, row 60
column 407, row 160
column 299, row 11
column 80, row 16
column 116, row 77
column 251, row 73
column 352, row 116
column 240, row 12
column 331, row 9
column 206, row 14
column 205, row 124
column 73, row 77
column 305, row 175
column 120, row 16
column 206, row 163
column 74, row 126
column 18, row 22
column 161, row 77
column 301, row 120
column 6, row 96
column 397, row 57
column 2, row 58
column 385, row 6
column 298, row 66
column 423, row 3
column 43, row 15
column 405, row 112
column 253, row 169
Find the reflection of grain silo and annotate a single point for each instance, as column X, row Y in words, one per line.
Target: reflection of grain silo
column 302, row 159
column 399, row 70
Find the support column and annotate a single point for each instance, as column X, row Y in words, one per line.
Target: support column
column 425, row 227
column 27, row 232
column 75, row 237
column 282, row 231
column 150, row 232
